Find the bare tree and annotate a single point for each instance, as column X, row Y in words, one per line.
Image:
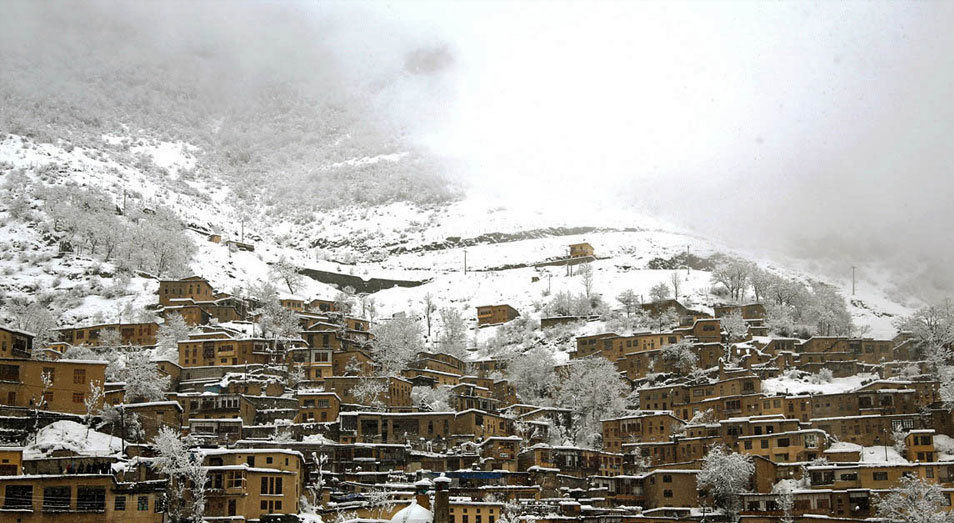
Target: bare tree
column 286, row 273
column 429, row 309
column 586, row 274
column 676, row 281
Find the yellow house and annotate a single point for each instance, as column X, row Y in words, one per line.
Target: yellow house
column 78, row 498
column 581, row 250
column 317, row 406
column 919, row 445
column 252, row 483
column 11, row 461
column 21, row 383
column 15, row 343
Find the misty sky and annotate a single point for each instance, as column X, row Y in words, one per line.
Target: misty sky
column 823, row 129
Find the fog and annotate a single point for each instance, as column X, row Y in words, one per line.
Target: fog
column 820, row 130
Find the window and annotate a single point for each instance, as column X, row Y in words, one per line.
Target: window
column 142, row 503
column 119, row 504
column 79, row 376
column 90, row 499
column 667, row 478
column 18, row 497
column 78, row 397
column 763, row 444
column 667, row 493
column 748, row 444
column 880, row 476
column 57, row 499
column 9, row 373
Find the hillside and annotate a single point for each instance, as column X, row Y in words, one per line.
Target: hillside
column 422, row 245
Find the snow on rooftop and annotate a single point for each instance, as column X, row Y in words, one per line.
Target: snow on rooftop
column 787, row 385
column 65, row 435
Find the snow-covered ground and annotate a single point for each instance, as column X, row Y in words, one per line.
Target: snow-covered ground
column 397, row 240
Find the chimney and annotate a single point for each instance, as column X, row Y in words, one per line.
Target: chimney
column 442, row 499
column 420, row 490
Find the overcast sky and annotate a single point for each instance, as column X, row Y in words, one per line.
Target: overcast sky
column 820, row 128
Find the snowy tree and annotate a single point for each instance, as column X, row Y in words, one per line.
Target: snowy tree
column 897, row 440
column 532, row 374
column 344, row 301
column 40, row 403
column 369, row 308
column 659, row 292
column 80, row 352
column 822, row 376
column 827, row 311
column 932, row 329
column 396, row 342
column 143, row 381
column 733, row 275
column 453, row 336
column 285, row 273
column 914, row 501
column 275, row 321
column 93, row 403
column 680, row 356
column 629, row 300
column 370, row 391
column 37, row 319
column 110, row 339
column 735, row 327
column 785, row 499
column 725, row 475
column 561, row 304
column 436, row 399
column 183, row 469
column 170, row 332
column 780, row 319
column 675, row 280
column 784, row 292
column 760, row 280
column 663, row 320
column 593, row 390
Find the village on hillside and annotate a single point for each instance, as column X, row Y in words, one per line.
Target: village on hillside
column 282, row 408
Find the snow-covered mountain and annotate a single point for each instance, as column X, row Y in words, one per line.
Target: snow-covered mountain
column 424, row 246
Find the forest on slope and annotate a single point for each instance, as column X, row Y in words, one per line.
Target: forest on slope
column 302, row 118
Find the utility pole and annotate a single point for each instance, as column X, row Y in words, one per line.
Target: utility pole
column 852, row 280
column 465, row 261
column 687, row 260
column 122, row 424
